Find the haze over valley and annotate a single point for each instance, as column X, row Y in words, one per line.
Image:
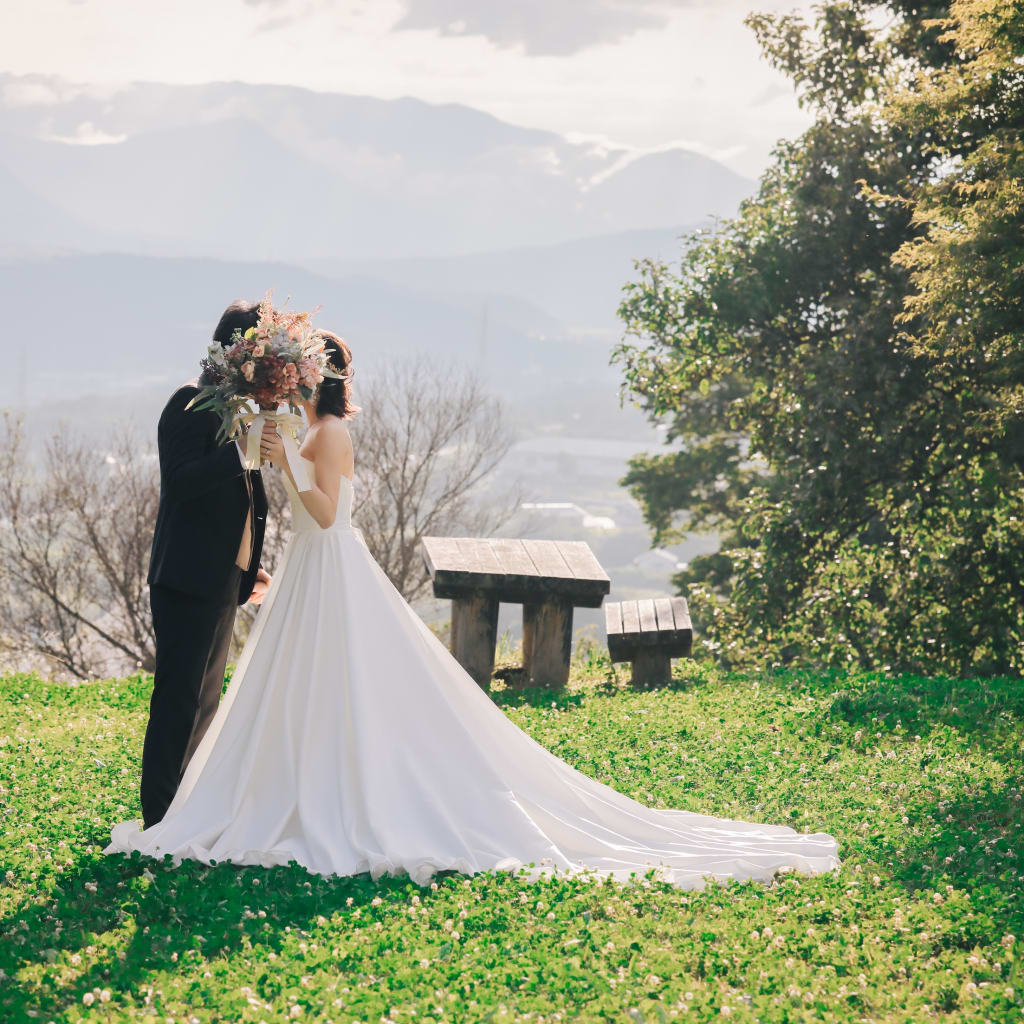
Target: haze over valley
column 132, row 215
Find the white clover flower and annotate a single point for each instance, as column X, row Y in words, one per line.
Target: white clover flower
column 766, row 932
column 88, row 999
column 376, row 901
column 105, row 996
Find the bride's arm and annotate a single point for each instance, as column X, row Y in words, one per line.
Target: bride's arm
column 331, row 454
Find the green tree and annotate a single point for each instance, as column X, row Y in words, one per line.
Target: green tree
column 864, row 478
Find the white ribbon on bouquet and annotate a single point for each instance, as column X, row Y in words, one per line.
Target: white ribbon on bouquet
column 288, row 425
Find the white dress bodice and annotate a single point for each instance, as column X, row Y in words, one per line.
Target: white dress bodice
column 303, row 522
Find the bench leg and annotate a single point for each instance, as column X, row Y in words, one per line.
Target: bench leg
column 547, row 643
column 651, row 668
column 474, row 634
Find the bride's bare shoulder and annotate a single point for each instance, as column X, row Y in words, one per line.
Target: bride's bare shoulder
column 332, row 432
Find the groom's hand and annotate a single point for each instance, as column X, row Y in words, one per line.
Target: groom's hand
column 259, row 589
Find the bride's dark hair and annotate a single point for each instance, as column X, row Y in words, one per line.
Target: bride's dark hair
column 334, row 395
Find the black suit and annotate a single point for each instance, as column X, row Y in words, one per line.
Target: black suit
column 195, row 587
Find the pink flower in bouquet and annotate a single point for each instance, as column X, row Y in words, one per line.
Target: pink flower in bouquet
column 280, row 361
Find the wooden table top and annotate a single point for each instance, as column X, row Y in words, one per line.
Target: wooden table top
column 514, row 570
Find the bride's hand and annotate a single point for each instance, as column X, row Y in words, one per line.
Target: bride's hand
column 271, row 445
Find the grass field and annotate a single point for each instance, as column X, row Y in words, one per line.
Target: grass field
column 920, row 780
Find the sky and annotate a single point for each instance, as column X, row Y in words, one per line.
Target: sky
column 646, row 74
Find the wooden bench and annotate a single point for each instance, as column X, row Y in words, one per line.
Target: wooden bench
column 649, row 633
column 548, row 578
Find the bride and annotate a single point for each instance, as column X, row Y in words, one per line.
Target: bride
column 350, row 740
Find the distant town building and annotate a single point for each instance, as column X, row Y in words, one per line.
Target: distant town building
column 658, row 560
column 571, row 510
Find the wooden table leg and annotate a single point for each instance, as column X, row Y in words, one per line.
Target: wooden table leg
column 651, row 667
column 547, row 643
column 474, row 635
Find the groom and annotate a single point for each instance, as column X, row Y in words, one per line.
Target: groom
column 204, row 563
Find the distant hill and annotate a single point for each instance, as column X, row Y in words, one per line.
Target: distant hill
column 579, row 282
column 86, row 323
column 255, row 172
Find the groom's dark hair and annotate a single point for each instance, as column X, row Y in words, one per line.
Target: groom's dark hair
column 240, row 315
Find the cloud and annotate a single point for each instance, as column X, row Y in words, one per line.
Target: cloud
column 87, row 134
column 273, row 24
column 772, row 92
column 30, row 93
column 541, row 27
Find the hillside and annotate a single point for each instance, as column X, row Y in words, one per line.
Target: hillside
column 919, row 780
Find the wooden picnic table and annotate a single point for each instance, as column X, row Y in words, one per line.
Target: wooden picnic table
column 547, row 577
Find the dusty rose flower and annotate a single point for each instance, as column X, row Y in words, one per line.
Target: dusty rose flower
column 248, row 369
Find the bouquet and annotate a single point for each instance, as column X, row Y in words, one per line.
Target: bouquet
column 280, row 361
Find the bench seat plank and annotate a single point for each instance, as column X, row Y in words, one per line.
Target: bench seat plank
column 659, row 626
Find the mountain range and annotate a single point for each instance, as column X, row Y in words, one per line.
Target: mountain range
column 130, row 216
column 260, row 172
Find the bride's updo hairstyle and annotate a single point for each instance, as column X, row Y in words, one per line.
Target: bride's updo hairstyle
column 334, row 395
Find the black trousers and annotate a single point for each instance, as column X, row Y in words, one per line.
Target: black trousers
column 193, row 636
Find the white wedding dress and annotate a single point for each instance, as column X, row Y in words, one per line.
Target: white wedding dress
column 351, row 740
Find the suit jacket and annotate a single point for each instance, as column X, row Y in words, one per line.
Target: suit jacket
column 205, row 493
